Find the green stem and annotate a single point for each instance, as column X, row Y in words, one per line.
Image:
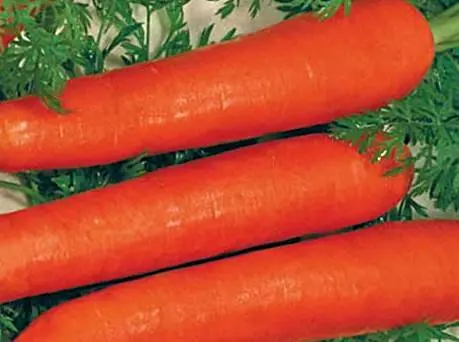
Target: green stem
column 447, row 46
column 148, row 38
column 445, row 29
column 448, row 13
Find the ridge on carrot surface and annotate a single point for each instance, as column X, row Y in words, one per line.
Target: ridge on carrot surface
column 247, row 197
column 298, row 73
column 387, row 276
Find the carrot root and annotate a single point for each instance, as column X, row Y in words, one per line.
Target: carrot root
column 298, row 73
column 236, row 200
column 375, row 279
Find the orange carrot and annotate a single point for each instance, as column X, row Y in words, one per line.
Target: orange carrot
column 365, row 281
column 303, row 185
column 298, row 73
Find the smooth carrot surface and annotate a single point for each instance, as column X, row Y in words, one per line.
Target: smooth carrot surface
column 384, row 277
column 247, row 197
column 297, row 73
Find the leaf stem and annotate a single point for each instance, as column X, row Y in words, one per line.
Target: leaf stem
column 148, row 33
column 445, row 29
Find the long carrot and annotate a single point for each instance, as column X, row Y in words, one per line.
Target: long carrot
column 207, row 207
column 376, row 279
column 297, row 73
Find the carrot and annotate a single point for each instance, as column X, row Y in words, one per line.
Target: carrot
column 298, row 73
column 380, row 278
column 207, row 207
column 6, row 39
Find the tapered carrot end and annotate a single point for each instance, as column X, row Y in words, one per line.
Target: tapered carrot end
column 391, row 167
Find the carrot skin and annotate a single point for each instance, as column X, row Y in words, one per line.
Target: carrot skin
column 380, row 278
column 298, row 73
column 207, row 207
